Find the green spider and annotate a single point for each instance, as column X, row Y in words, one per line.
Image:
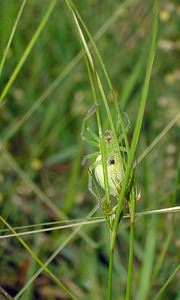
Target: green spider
column 115, row 165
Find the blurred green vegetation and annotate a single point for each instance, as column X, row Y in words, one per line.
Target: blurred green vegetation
column 41, row 172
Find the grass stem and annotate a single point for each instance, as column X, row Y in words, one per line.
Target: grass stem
column 131, row 247
column 111, row 256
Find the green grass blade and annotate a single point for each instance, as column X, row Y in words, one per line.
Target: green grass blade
column 148, row 260
column 159, row 294
column 55, row 253
column 28, row 49
column 159, row 137
column 12, row 35
column 4, row 293
column 133, row 79
column 131, row 246
column 26, row 246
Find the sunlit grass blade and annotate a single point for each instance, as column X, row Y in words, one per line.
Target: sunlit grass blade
column 26, row 246
column 60, row 227
column 57, row 225
column 5, row 294
column 28, row 49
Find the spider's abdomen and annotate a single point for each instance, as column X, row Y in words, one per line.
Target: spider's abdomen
column 115, row 174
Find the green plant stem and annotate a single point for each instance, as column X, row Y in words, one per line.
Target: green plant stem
column 131, row 248
column 111, row 257
column 130, row 266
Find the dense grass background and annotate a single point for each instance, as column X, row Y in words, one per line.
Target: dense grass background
column 41, row 174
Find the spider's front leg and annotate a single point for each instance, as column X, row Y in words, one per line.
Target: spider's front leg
column 91, row 138
column 127, row 127
column 88, row 135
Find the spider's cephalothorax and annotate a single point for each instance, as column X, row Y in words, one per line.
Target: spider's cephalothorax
column 108, row 137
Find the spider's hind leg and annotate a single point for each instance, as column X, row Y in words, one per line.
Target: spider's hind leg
column 91, row 180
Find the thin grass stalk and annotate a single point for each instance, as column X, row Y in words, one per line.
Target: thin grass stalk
column 11, row 36
column 158, row 138
column 137, row 130
column 159, row 294
column 78, row 222
column 26, row 246
column 110, row 273
column 4, row 293
column 131, row 245
column 28, row 49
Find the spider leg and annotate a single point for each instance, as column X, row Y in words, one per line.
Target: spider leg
column 95, row 140
column 89, row 156
column 127, row 127
column 90, row 183
column 93, row 135
column 123, row 149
